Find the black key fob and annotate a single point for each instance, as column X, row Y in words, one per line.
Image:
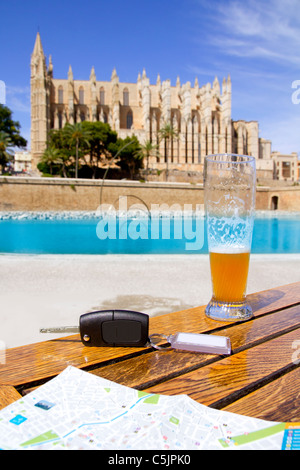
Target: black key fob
column 114, row 328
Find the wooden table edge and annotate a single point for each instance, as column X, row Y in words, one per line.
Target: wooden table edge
column 281, row 297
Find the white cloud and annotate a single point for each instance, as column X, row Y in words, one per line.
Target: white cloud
column 259, row 28
column 2, row 92
column 18, row 101
column 18, row 98
column 257, row 42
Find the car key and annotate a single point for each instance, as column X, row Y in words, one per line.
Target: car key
column 128, row 328
column 109, row 328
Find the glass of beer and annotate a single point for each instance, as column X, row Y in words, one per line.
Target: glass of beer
column 229, row 196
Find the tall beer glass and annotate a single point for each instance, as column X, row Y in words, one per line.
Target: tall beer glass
column 229, row 196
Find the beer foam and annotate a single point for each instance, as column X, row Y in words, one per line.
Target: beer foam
column 229, row 250
column 230, row 233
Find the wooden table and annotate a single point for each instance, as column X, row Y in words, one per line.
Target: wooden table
column 261, row 378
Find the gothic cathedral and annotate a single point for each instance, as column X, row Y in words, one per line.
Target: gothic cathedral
column 201, row 116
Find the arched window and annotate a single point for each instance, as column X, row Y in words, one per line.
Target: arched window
column 125, row 97
column 60, row 95
column 81, row 95
column 274, row 203
column 82, row 116
column 129, row 120
column 102, row 96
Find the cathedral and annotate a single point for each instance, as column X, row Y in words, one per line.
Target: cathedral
column 199, row 115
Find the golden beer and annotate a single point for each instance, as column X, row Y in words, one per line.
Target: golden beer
column 229, row 197
column 229, row 273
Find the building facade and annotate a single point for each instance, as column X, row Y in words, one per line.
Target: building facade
column 286, row 166
column 22, row 161
column 200, row 115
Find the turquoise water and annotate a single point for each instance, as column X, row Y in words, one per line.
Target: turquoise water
column 135, row 236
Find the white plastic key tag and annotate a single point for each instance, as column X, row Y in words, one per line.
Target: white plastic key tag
column 203, row 343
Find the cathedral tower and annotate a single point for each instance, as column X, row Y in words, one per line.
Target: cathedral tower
column 40, row 95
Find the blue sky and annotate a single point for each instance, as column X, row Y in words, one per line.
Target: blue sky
column 257, row 42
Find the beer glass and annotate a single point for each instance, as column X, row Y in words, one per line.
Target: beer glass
column 229, row 197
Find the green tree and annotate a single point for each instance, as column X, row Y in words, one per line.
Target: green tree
column 147, row 150
column 76, row 134
column 5, row 149
column 11, row 127
column 129, row 156
column 58, row 140
column 50, row 157
column 166, row 133
column 101, row 136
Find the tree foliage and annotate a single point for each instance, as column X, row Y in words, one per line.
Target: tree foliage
column 9, row 136
column 11, row 127
column 166, row 133
column 92, row 145
column 101, row 141
column 76, row 134
column 147, row 150
column 129, row 157
column 5, row 149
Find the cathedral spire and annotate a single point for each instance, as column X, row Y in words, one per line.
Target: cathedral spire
column 50, row 67
column 38, row 48
column 114, row 74
column 93, row 75
column 70, row 74
column 216, row 85
column 229, row 84
column 38, row 60
column 40, row 89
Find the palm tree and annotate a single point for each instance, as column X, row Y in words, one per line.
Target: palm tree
column 146, row 151
column 167, row 132
column 5, row 149
column 51, row 156
column 75, row 133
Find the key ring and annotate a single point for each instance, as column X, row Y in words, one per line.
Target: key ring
column 155, row 338
column 193, row 342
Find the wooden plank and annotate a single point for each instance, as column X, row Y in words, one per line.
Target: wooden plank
column 54, row 356
column 8, row 395
column 39, row 361
column 194, row 319
column 229, row 379
column 275, row 299
column 147, row 370
column 276, row 401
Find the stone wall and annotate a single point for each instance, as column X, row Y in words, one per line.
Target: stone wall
column 56, row 194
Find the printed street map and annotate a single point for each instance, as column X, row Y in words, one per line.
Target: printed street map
column 78, row 410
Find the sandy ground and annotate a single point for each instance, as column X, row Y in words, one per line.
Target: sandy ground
column 53, row 290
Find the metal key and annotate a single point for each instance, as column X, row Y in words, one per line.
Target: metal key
column 109, row 328
column 128, row 328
